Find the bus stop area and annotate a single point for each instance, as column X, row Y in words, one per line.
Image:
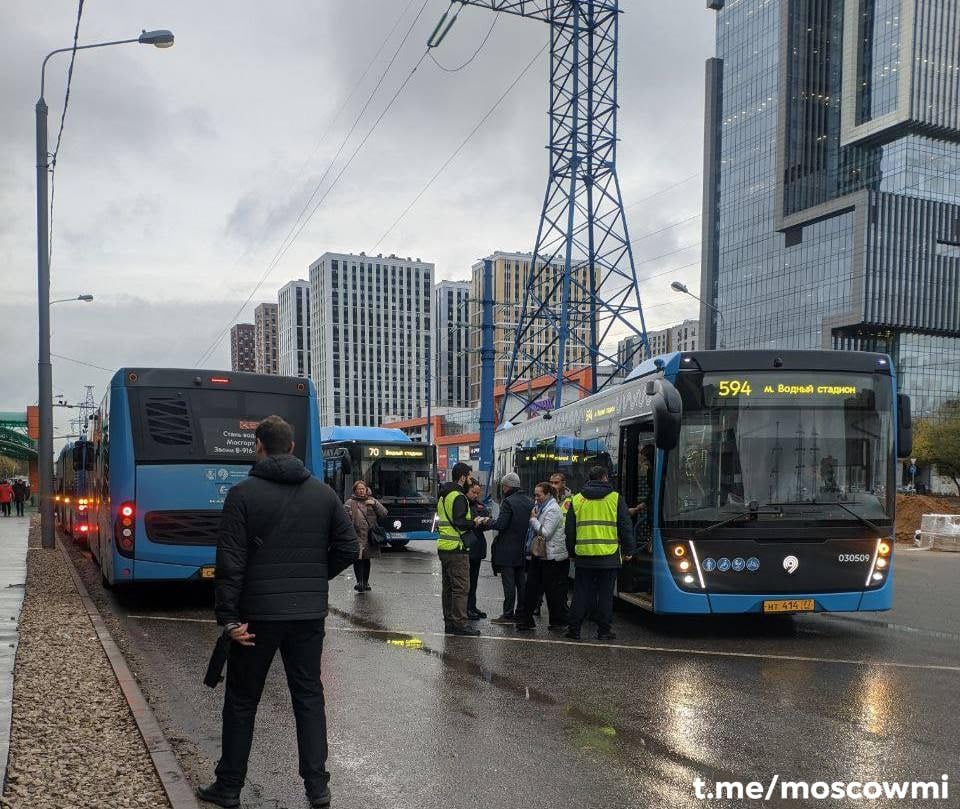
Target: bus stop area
column 420, row 719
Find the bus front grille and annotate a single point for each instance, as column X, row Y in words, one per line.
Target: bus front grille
column 183, row 527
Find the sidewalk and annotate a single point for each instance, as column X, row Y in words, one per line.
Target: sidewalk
column 74, row 742
column 13, row 574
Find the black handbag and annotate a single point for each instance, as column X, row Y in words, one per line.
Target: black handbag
column 376, row 536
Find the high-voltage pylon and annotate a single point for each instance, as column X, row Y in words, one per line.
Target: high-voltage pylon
column 567, row 316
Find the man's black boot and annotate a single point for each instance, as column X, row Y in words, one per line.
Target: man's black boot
column 320, row 798
column 219, row 794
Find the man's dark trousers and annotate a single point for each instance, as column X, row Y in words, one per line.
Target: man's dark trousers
column 474, row 580
column 514, row 581
column 301, row 645
column 593, row 586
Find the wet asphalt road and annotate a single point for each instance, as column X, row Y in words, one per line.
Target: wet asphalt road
column 418, row 719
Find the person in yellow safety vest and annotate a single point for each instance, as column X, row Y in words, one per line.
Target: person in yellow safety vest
column 455, row 531
column 599, row 533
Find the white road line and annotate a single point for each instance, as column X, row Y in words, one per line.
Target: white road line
column 625, row 646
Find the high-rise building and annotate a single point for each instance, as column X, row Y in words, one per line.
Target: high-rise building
column 265, row 336
column 293, row 327
column 371, row 329
column 452, row 344
column 682, row 337
column 832, row 182
column 243, row 348
column 510, row 272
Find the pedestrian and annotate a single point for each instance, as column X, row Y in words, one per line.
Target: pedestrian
column 19, row 495
column 549, row 566
column 559, row 482
column 455, row 525
column 6, row 497
column 509, row 547
column 365, row 512
column 283, row 536
column 478, row 548
column 598, row 531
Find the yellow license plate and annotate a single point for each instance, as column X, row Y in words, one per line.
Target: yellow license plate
column 789, row 605
column 208, row 572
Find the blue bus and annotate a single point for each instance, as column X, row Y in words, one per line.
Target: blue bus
column 168, row 444
column 401, row 473
column 766, row 479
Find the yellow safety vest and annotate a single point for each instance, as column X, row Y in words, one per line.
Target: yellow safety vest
column 596, row 525
column 450, row 537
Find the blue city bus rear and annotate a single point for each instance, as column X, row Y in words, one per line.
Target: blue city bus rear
column 168, row 445
column 400, row 472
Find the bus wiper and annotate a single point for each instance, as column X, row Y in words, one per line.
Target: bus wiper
column 871, row 525
column 753, row 509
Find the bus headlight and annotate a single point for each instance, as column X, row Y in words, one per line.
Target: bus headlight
column 684, row 565
column 882, row 557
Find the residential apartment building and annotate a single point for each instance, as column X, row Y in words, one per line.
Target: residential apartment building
column 371, row 327
column 265, row 337
column 832, row 183
column 452, row 344
column 243, row 348
column 510, row 273
column 293, row 326
column 682, row 337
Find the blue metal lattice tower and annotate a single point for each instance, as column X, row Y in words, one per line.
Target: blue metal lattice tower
column 582, row 227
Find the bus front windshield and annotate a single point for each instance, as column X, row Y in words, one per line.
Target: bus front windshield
column 394, row 478
column 795, row 446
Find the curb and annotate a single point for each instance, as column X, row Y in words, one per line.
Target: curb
column 175, row 783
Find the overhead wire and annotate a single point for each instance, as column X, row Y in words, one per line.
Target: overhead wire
column 300, row 223
column 476, row 53
column 63, row 118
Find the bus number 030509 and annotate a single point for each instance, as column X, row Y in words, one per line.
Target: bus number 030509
column 734, row 387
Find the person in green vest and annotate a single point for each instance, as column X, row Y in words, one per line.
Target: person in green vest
column 455, row 532
column 599, row 535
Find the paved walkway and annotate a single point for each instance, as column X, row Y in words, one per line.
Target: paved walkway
column 13, row 574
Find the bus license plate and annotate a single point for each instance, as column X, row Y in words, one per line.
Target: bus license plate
column 789, row 605
column 208, row 572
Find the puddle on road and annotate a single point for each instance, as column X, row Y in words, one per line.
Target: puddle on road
column 599, row 733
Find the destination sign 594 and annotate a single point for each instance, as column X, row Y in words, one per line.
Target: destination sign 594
column 783, row 387
column 375, row 452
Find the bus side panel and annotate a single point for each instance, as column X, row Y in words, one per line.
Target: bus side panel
column 122, row 486
column 313, row 454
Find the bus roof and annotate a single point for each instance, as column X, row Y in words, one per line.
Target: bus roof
column 208, row 379
column 377, row 434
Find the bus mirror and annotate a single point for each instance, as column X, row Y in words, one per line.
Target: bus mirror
column 346, row 464
column 904, row 426
column 667, row 410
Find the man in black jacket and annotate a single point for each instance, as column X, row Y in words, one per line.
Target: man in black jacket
column 508, row 554
column 283, row 536
column 599, row 533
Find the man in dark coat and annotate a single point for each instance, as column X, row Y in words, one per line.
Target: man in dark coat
column 478, row 548
column 510, row 547
column 599, row 534
column 283, row 536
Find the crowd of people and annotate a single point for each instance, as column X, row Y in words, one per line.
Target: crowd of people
column 13, row 496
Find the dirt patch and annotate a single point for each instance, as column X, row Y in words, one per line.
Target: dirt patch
column 911, row 507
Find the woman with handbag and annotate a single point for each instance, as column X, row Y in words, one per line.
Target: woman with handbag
column 549, row 562
column 365, row 513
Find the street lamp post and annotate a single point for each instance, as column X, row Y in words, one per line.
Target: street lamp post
column 84, row 298
column 678, row 286
column 159, row 39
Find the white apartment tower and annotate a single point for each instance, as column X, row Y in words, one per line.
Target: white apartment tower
column 265, row 336
column 294, row 328
column 371, row 329
column 452, row 340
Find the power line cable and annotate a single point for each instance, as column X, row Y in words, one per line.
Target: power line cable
column 63, row 117
column 677, row 184
column 300, row 223
column 459, row 149
column 476, row 53
column 81, row 362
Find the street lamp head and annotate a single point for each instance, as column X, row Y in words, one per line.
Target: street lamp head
column 85, row 298
column 679, row 286
column 161, row 38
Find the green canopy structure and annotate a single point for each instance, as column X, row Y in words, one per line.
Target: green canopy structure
column 14, row 441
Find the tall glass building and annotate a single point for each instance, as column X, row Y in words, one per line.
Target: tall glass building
column 832, row 182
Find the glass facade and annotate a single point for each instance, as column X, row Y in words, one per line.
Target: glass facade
column 821, row 242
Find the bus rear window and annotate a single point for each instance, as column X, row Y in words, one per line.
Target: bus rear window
column 173, row 425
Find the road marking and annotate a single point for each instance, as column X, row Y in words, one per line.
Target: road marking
column 625, row 646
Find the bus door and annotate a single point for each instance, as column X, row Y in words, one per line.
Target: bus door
column 336, row 470
column 636, row 477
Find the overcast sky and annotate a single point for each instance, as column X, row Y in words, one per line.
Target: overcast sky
column 182, row 170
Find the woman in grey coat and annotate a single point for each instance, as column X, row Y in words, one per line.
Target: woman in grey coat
column 364, row 511
column 548, row 574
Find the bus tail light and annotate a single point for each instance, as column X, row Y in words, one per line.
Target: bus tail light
column 124, row 531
